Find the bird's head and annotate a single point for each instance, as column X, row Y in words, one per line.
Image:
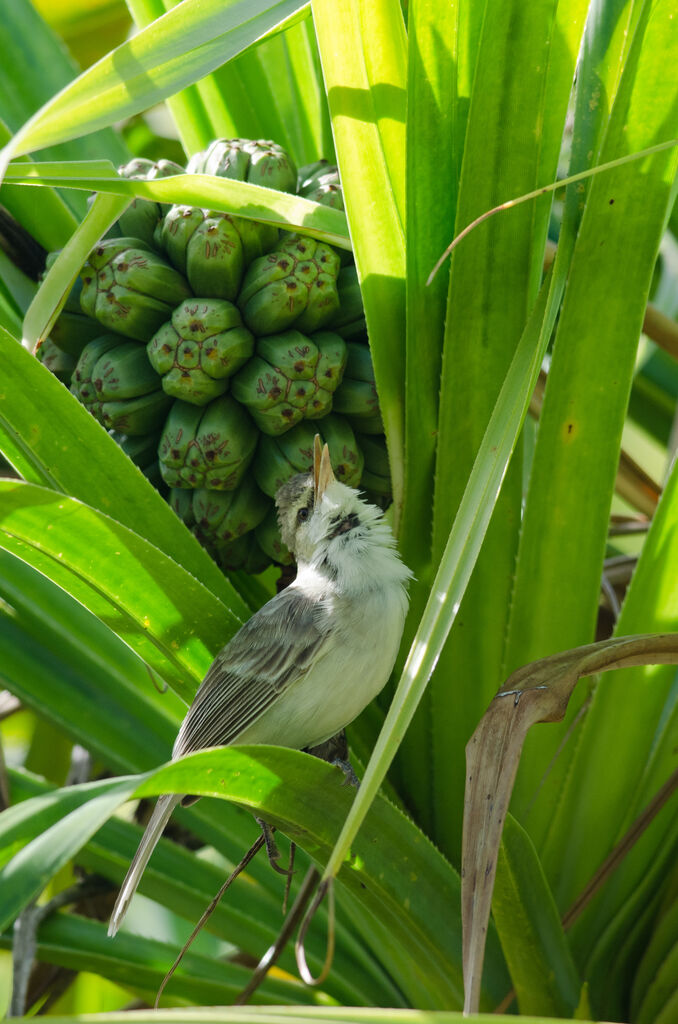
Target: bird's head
column 330, row 528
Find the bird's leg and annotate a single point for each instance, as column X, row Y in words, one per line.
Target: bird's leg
column 335, row 752
column 272, row 851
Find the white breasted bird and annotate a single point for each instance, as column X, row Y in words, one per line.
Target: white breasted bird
column 309, row 661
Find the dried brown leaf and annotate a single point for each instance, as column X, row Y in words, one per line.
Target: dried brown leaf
column 538, row 692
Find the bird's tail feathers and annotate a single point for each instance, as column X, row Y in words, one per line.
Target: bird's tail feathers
column 161, row 813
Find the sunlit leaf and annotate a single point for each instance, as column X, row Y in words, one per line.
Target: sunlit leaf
column 273, row 783
column 186, row 43
column 141, row 593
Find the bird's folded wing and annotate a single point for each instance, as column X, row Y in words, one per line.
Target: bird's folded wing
column 277, row 646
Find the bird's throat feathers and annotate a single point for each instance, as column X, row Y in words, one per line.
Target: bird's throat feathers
column 351, row 549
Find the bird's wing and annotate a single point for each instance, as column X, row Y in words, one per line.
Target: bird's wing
column 273, row 649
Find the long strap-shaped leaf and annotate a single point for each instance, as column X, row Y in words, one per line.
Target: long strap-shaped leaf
column 434, row 149
column 51, row 222
column 271, row 91
column 73, row 671
column 289, row 1015
column 523, row 76
column 51, row 296
column 185, row 44
column 190, row 115
column 545, row 978
column 35, row 66
column 366, row 89
column 228, row 196
column 622, row 758
column 556, row 592
column 177, row 625
column 139, row 964
column 63, row 663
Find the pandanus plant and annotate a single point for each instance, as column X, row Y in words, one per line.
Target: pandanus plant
column 515, row 410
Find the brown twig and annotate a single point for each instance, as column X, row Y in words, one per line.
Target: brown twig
column 624, row 846
column 288, row 880
column 253, row 850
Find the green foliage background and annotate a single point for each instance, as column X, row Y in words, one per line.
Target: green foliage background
column 435, row 115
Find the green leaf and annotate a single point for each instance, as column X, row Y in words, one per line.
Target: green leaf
column 27, row 873
column 140, row 964
column 654, row 986
column 87, row 30
column 192, row 119
column 10, row 313
column 48, row 218
column 271, row 91
column 276, row 783
column 456, row 566
column 278, row 87
column 74, row 672
column 433, row 144
column 542, row 969
column 184, row 45
column 16, row 292
column 70, row 668
column 623, row 755
column 27, row 44
column 229, row 196
column 366, row 89
column 185, row 881
column 170, row 620
column 289, row 1015
column 53, row 293
column 538, row 692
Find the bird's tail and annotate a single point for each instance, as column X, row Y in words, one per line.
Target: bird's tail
column 161, row 813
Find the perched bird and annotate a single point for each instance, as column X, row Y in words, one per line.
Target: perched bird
column 309, row 661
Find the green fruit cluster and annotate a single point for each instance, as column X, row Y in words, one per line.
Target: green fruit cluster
column 214, row 348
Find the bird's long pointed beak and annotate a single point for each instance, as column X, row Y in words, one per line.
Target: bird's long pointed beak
column 322, row 468
column 317, row 456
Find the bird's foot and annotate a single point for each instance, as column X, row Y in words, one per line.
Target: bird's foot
column 335, row 751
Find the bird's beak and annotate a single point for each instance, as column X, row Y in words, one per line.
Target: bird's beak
column 322, row 468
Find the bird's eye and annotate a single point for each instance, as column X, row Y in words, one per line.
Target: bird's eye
column 302, row 515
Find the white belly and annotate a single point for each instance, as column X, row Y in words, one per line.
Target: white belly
column 342, row 681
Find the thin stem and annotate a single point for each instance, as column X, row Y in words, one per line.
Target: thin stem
column 212, row 906
column 588, row 173
column 624, row 846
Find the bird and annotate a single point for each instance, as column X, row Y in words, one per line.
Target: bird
column 312, row 658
